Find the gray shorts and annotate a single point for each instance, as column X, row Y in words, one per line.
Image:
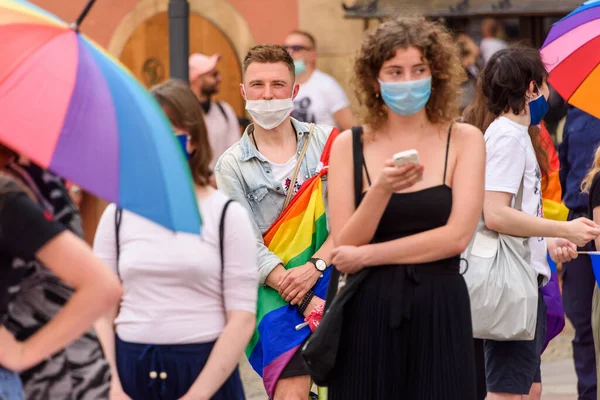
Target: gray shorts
column 513, row 366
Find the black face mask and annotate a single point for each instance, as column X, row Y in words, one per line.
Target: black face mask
column 205, row 106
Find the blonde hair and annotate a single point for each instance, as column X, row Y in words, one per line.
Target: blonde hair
column 586, row 184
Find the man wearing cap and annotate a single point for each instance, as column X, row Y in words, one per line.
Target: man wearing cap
column 321, row 99
column 221, row 121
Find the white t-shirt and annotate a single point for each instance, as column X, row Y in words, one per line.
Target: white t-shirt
column 283, row 173
column 318, row 99
column 172, row 281
column 223, row 129
column 489, row 46
column 509, row 155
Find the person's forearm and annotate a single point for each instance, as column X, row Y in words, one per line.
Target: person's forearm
column 269, row 265
column 513, row 222
column 274, row 278
column 361, row 227
column 106, row 335
column 225, row 355
column 324, row 253
column 428, row 246
column 312, row 305
column 78, row 314
column 596, row 219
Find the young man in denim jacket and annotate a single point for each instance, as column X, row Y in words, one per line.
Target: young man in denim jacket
column 257, row 172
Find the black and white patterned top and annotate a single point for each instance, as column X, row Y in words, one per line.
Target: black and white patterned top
column 80, row 371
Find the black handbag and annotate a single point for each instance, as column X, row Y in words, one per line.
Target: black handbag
column 320, row 350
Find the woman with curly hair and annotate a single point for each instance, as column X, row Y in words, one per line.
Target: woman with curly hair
column 407, row 331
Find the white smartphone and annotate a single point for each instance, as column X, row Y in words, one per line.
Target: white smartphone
column 406, row 157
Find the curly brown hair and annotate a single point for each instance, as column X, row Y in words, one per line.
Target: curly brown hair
column 440, row 52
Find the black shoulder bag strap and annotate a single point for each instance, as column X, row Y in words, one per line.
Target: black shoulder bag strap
column 358, row 162
column 222, row 247
column 222, row 110
column 118, row 216
column 357, row 155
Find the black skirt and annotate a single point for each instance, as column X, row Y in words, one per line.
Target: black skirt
column 407, row 334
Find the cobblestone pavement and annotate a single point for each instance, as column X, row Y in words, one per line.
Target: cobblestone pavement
column 252, row 383
column 558, row 373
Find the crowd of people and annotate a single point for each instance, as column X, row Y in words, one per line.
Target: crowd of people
column 174, row 312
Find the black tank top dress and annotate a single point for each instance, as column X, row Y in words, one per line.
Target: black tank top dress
column 407, row 332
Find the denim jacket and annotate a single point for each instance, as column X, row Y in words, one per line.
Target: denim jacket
column 245, row 175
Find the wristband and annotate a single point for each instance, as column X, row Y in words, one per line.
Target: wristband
column 306, row 301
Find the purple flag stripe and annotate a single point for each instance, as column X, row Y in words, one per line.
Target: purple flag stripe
column 272, row 371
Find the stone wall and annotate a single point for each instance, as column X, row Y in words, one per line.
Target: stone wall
column 338, row 38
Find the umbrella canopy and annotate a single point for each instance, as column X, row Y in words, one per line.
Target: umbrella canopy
column 69, row 106
column 571, row 53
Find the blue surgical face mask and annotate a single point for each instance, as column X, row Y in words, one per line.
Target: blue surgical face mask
column 182, row 139
column 406, row 98
column 299, row 66
column 538, row 109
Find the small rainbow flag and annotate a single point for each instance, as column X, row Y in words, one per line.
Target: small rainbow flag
column 596, row 266
column 551, row 191
column 295, row 237
column 554, row 209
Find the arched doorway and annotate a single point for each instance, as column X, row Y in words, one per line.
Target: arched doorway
column 143, row 34
column 146, row 54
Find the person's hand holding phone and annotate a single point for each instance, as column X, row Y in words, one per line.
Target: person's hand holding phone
column 393, row 179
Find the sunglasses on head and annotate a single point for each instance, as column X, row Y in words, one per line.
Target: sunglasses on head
column 296, row 47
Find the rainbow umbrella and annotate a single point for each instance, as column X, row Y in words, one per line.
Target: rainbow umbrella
column 70, row 107
column 571, row 53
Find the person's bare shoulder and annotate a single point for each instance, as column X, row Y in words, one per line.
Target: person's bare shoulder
column 343, row 143
column 466, row 136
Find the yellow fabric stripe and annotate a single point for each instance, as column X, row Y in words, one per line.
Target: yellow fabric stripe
column 555, row 211
column 295, row 235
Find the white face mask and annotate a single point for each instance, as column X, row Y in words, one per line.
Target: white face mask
column 269, row 114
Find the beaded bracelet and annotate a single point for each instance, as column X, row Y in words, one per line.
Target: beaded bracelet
column 306, row 301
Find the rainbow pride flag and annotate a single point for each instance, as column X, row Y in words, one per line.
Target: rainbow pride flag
column 551, row 191
column 554, row 209
column 295, row 237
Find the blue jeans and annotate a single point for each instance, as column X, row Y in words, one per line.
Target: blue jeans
column 10, row 385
